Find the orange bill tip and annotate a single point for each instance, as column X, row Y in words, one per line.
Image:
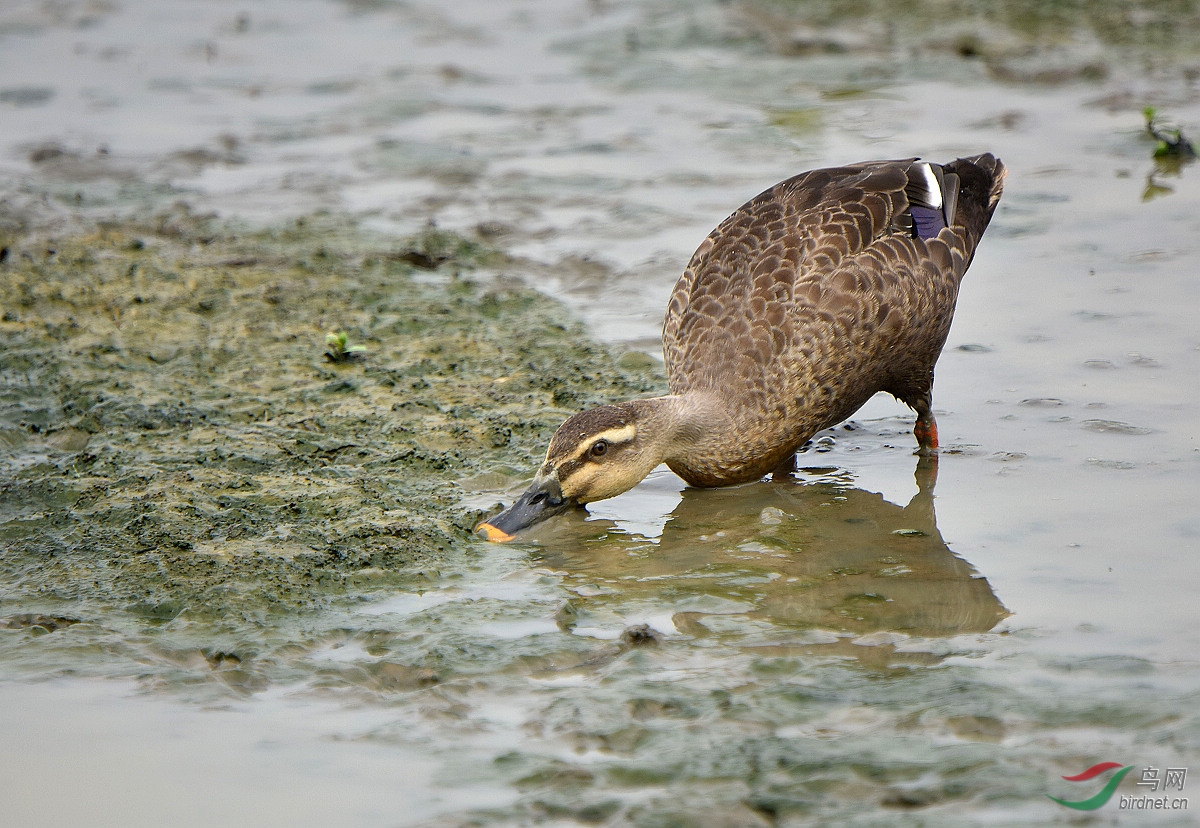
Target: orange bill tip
column 492, row 533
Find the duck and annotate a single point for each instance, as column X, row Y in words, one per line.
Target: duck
column 818, row 293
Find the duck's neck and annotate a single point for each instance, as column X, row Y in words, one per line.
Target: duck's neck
column 681, row 429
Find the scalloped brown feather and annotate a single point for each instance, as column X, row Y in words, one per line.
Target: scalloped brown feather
column 812, row 297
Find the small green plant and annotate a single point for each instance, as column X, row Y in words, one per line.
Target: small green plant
column 1171, row 143
column 1172, row 153
column 337, row 349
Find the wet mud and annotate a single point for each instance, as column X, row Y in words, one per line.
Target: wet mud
column 175, row 438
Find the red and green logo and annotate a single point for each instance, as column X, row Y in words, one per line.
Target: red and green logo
column 1105, row 794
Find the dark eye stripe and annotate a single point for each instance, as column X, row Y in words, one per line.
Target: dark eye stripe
column 617, row 436
column 569, row 468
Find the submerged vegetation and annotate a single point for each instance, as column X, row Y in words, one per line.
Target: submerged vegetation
column 1148, row 24
column 1171, row 143
column 170, row 442
column 1172, row 151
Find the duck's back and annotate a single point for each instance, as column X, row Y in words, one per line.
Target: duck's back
column 826, row 288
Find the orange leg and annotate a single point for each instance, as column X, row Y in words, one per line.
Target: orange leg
column 925, row 429
column 926, row 433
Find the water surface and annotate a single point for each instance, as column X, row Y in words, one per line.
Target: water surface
column 865, row 644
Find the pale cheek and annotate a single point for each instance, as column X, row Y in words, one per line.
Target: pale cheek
column 592, row 484
column 614, row 483
column 579, row 485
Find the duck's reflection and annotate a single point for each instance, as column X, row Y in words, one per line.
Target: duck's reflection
column 791, row 553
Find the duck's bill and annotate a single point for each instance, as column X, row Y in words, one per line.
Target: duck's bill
column 540, row 501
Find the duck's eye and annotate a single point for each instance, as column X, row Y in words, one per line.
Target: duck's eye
column 599, row 448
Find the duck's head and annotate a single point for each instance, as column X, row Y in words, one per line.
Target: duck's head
column 594, row 455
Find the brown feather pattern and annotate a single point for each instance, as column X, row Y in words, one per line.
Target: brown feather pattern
column 810, row 298
column 807, row 300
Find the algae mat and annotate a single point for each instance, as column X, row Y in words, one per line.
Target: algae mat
column 175, row 439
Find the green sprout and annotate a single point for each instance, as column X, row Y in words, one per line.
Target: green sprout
column 1171, row 143
column 337, row 349
column 1171, row 153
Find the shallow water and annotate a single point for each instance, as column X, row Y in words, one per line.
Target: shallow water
column 862, row 645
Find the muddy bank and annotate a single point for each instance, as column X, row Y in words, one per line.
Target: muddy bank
column 174, row 438
column 1022, row 42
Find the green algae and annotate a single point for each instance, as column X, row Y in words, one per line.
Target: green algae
column 987, row 29
column 173, row 439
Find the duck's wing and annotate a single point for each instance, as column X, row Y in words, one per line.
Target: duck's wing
column 833, row 254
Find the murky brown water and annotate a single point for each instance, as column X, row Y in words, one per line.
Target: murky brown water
column 237, row 582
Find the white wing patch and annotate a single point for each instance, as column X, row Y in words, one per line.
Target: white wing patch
column 930, row 193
